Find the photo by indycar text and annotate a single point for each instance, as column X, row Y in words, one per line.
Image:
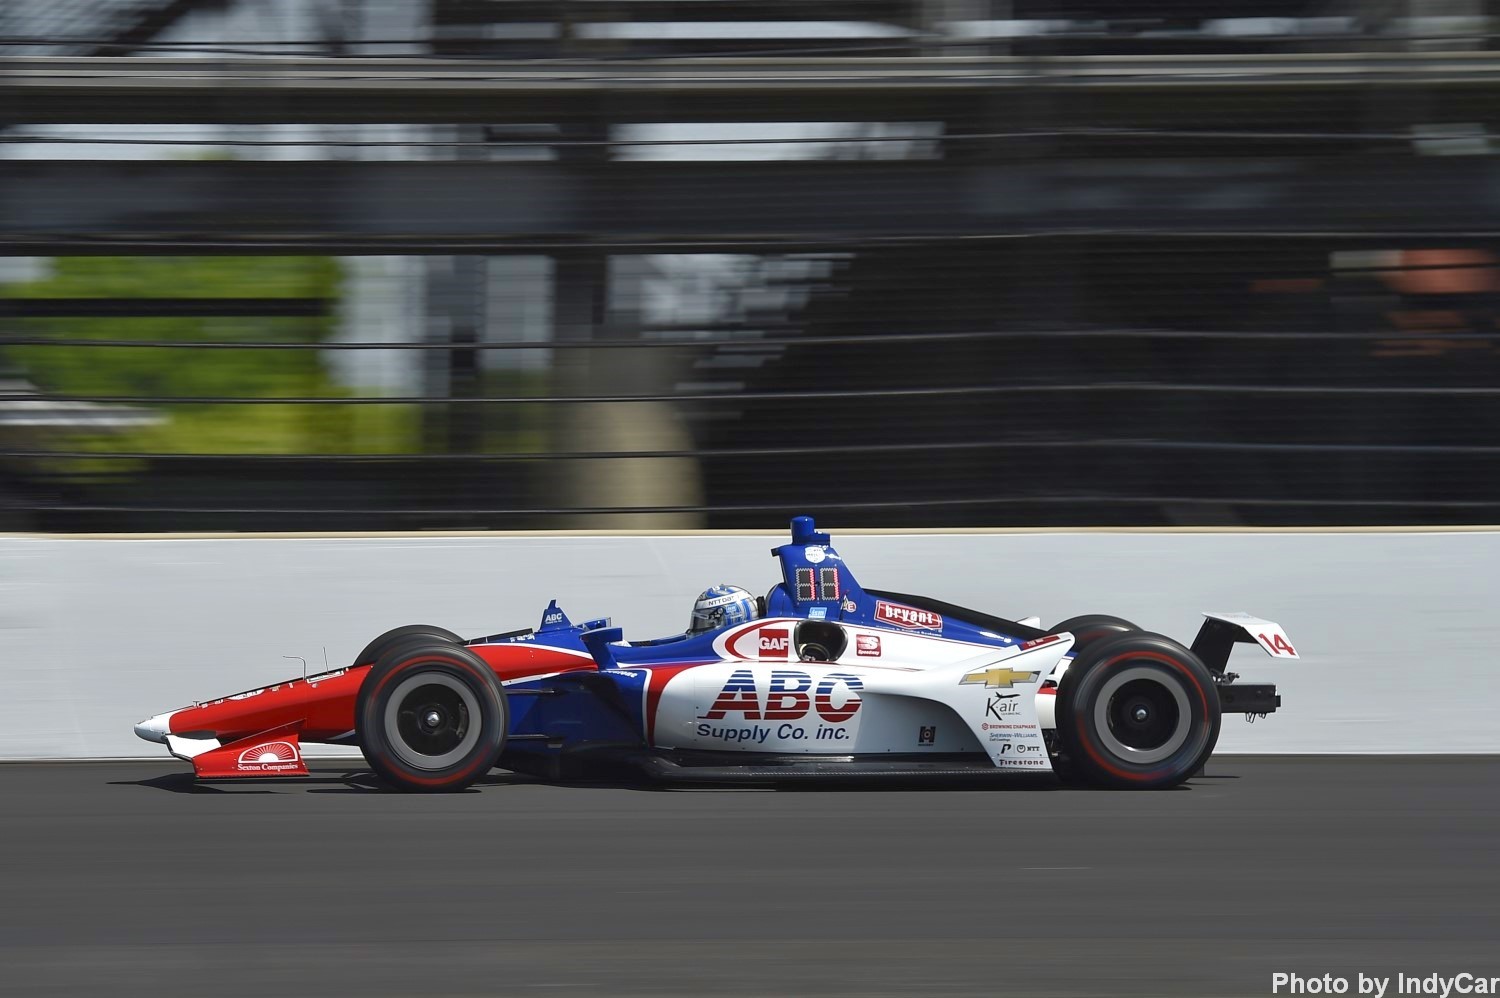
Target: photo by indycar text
column 1443, row 985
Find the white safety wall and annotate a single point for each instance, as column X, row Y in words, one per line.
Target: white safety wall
column 1398, row 632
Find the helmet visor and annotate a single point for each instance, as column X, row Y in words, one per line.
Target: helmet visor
column 706, row 619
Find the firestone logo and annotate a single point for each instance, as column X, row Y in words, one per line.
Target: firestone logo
column 908, row 616
column 269, row 757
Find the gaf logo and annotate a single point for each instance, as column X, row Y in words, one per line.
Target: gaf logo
column 774, row 642
column 268, row 757
column 908, row 616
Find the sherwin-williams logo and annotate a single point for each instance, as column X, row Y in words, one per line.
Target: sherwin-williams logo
column 997, row 677
column 269, row 757
column 908, row 616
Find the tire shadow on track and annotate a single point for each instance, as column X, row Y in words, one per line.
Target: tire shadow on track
column 352, row 781
column 363, row 781
column 186, row 783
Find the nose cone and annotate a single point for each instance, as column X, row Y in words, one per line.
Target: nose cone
column 154, row 729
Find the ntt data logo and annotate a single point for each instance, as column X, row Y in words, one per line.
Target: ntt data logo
column 269, row 757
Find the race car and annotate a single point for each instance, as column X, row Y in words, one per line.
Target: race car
column 819, row 679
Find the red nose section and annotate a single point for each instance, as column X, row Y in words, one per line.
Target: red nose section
column 324, row 705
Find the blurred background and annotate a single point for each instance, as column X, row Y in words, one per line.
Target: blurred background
column 404, row 264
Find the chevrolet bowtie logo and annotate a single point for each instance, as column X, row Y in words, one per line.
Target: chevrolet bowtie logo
column 996, row 677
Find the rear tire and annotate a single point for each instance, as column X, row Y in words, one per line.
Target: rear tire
column 396, row 635
column 1091, row 628
column 431, row 717
column 1139, row 711
column 1087, row 629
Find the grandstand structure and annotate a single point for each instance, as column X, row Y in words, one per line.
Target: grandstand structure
column 935, row 263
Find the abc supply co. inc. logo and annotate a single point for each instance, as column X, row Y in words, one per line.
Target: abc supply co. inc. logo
column 269, row 757
column 789, row 696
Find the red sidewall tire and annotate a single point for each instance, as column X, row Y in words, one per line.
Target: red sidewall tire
column 410, row 634
column 413, row 669
column 1085, row 705
column 1091, row 628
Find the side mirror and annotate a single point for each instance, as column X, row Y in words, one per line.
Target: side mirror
column 597, row 642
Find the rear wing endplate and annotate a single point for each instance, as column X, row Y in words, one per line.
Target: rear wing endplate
column 1221, row 631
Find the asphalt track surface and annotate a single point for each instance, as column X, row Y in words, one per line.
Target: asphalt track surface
column 129, row 879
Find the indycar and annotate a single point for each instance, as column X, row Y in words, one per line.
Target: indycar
column 824, row 680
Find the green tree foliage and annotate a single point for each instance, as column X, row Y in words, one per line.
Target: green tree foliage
column 144, row 372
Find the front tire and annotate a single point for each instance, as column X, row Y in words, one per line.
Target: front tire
column 431, row 717
column 409, row 634
column 1139, row 711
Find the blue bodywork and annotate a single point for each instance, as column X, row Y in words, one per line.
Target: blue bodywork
column 604, row 707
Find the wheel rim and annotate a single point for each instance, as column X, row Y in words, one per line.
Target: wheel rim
column 432, row 720
column 1142, row 715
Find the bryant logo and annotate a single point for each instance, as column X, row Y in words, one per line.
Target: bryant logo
column 908, row 616
column 774, row 643
column 927, row 734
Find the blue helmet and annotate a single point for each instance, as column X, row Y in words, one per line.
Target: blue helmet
column 720, row 606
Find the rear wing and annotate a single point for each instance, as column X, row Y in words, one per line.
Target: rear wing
column 1221, row 631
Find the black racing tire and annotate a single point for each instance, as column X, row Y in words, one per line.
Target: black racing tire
column 1138, row 711
column 1087, row 629
column 431, row 717
column 1091, row 628
column 397, row 635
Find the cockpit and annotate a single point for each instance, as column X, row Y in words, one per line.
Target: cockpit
column 819, row 641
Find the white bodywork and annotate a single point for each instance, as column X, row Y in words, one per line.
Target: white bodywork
column 887, row 692
column 1266, row 634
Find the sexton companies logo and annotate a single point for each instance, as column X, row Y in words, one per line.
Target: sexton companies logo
column 269, row 757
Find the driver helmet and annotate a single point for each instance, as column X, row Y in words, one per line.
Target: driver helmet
column 720, row 606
